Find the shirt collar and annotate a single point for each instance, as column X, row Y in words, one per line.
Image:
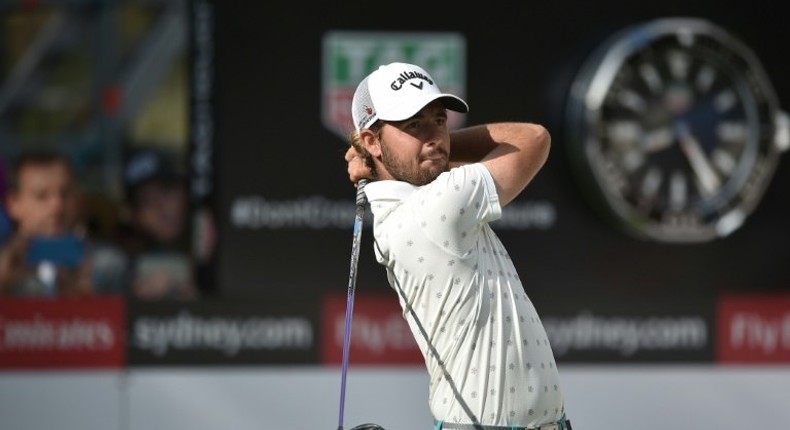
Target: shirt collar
column 389, row 190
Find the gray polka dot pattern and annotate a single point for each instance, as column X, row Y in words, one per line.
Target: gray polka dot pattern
column 463, row 287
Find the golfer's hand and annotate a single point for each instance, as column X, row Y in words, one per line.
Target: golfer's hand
column 357, row 169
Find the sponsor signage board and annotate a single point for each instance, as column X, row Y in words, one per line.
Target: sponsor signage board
column 63, row 333
column 222, row 333
column 635, row 329
column 113, row 332
column 753, row 328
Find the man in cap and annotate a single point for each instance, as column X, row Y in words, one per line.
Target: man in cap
column 156, row 238
column 433, row 193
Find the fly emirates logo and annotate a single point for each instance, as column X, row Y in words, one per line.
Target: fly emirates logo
column 37, row 333
column 754, row 329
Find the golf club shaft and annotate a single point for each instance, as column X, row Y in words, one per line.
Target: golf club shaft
column 361, row 201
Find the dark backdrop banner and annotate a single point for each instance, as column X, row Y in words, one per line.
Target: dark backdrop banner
column 285, row 206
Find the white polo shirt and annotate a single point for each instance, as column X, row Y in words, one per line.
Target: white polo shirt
column 464, row 301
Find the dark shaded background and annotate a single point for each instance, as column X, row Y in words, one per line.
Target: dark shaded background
column 521, row 57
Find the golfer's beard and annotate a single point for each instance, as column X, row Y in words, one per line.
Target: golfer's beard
column 403, row 171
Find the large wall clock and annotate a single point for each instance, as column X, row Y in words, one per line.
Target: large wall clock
column 675, row 130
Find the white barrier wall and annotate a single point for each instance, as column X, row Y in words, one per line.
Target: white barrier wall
column 603, row 397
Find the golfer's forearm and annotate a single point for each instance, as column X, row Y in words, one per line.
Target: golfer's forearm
column 473, row 144
column 470, row 144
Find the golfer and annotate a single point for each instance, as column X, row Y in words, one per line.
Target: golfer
column 433, row 193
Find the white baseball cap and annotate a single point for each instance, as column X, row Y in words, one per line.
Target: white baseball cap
column 395, row 92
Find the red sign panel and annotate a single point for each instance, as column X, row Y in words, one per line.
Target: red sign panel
column 62, row 333
column 754, row 329
column 379, row 334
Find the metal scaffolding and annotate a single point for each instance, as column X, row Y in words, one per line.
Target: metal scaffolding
column 76, row 75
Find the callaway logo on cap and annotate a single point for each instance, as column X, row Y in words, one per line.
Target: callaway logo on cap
column 395, row 92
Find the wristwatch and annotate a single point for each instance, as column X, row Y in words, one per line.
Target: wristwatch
column 674, row 130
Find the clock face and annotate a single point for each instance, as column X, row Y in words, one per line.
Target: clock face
column 675, row 130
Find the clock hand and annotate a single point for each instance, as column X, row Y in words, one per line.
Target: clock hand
column 697, row 159
column 658, row 139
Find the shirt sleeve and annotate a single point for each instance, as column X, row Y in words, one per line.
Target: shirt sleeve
column 453, row 208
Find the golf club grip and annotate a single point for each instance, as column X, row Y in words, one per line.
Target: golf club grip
column 359, row 215
column 361, row 198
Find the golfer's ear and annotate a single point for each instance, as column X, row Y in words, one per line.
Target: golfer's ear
column 370, row 142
